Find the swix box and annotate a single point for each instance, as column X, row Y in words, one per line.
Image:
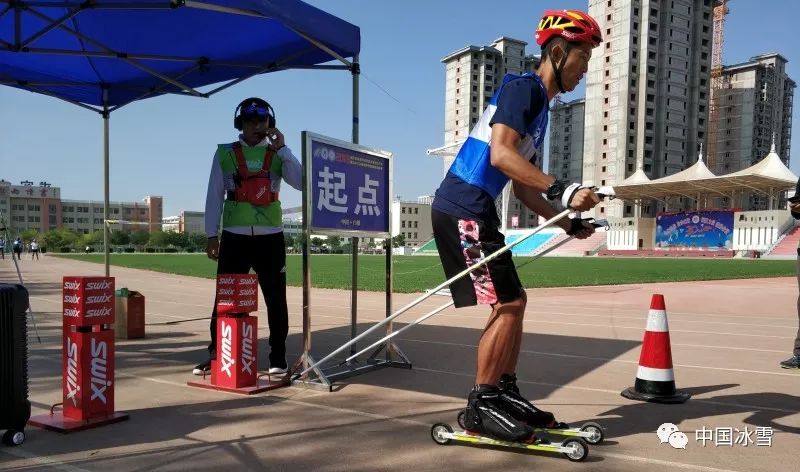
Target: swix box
column 236, row 365
column 88, row 300
column 88, row 374
column 237, row 293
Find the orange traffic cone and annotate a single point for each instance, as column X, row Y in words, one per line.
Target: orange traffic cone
column 655, row 381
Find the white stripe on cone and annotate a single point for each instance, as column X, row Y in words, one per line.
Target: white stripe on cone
column 655, row 375
column 657, row 321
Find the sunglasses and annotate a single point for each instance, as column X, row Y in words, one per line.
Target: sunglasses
column 254, row 109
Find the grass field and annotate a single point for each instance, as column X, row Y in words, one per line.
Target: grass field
column 418, row 273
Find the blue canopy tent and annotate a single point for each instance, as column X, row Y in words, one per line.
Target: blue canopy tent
column 104, row 54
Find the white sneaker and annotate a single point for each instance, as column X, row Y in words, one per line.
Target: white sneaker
column 203, row 368
column 277, row 371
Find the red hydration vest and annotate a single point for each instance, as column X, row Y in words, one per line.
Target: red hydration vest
column 253, row 187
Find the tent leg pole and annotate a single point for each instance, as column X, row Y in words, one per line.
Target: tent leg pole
column 106, row 116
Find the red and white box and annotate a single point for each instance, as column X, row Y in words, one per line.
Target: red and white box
column 88, row 300
column 236, row 365
column 88, row 374
column 237, row 293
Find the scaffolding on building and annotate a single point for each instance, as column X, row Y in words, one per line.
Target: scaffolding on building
column 720, row 10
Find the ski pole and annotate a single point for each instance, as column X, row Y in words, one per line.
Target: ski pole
column 444, row 284
column 443, row 307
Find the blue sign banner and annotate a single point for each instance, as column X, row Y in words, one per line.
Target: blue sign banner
column 349, row 187
column 709, row 230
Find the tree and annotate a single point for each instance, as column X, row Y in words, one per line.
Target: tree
column 334, row 242
column 91, row 239
column 140, row 238
column 317, row 242
column 399, row 240
column 56, row 239
column 198, row 241
column 158, row 239
column 120, row 238
column 29, row 234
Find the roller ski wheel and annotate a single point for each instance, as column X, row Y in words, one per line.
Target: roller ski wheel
column 595, row 432
column 439, row 433
column 13, row 438
column 590, row 432
column 460, row 419
column 579, row 449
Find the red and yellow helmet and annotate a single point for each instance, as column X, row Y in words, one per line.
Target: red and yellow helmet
column 572, row 25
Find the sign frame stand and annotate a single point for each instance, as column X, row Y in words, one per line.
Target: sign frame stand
column 393, row 355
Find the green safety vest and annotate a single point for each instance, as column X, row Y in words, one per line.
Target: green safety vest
column 244, row 213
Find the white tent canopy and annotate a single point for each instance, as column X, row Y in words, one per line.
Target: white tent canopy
column 767, row 177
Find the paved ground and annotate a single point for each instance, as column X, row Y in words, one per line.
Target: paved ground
column 580, row 349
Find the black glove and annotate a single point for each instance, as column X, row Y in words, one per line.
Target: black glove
column 575, row 225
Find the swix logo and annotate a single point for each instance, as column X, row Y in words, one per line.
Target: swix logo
column 225, row 302
column 244, row 303
column 72, row 372
column 98, row 312
column 225, row 291
column 248, row 357
column 99, row 370
column 226, row 281
column 72, row 285
column 72, row 299
column 247, row 292
column 261, row 192
column 101, row 285
column 98, row 299
column 248, row 281
column 72, row 313
column 227, row 349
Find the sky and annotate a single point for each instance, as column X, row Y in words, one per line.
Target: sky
column 165, row 145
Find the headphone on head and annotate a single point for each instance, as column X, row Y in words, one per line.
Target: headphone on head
column 253, row 101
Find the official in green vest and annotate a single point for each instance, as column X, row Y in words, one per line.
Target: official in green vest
column 243, row 195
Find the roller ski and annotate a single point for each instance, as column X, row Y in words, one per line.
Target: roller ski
column 486, row 422
column 542, row 422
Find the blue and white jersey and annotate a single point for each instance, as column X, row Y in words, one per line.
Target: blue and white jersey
column 472, row 183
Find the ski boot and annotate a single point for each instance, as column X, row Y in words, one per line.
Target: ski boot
column 541, row 421
column 485, row 416
column 520, row 408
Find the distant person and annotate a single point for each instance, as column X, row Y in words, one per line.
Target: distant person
column 34, row 250
column 17, row 249
column 2, row 248
column 243, row 189
column 794, row 361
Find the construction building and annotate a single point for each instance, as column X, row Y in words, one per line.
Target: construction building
column 647, row 92
column 756, row 99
